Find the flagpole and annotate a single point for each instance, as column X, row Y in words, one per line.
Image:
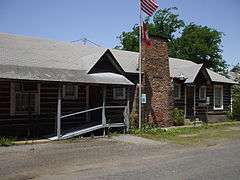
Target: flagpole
column 140, row 69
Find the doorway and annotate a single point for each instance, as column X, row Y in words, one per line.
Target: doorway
column 95, row 100
column 190, row 101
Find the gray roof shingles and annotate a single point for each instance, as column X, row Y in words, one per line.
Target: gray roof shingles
column 40, row 59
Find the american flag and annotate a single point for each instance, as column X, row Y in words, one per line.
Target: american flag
column 149, row 6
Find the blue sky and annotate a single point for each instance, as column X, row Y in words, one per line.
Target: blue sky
column 103, row 20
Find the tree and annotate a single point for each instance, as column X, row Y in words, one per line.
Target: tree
column 201, row 44
column 236, row 93
column 129, row 40
column 164, row 23
column 236, row 68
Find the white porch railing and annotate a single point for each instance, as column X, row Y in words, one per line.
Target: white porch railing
column 103, row 124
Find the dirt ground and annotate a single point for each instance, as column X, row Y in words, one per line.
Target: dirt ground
column 123, row 157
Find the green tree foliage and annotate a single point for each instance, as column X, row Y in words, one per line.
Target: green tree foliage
column 236, row 93
column 129, row 40
column 200, row 44
column 236, row 102
column 236, row 68
column 165, row 23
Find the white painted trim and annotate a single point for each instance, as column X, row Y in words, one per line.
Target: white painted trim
column 179, row 91
column 59, row 103
column 75, row 97
column 205, row 93
column 214, row 108
column 115, row 97
column 231, row 100
column 194, row 101
column 13, row 100
column 185, row 101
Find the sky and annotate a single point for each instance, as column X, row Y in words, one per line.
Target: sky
column 101, row 21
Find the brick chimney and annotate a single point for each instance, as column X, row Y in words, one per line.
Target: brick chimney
column 156, row 81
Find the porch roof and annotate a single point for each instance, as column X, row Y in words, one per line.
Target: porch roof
column 60, row 75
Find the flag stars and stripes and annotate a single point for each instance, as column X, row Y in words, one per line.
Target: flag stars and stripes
column 149, row 6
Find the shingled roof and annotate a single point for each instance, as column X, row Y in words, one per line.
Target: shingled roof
column 30, row 58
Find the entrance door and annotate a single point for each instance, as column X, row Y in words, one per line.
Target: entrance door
column 95, row 100
column 190, row 101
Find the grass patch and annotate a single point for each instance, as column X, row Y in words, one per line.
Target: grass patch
column 202, row 135
column 6, row 141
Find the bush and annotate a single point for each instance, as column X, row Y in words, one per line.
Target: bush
column 236, row 102
column 6, row 141
column 133, row 120
column 177, row 116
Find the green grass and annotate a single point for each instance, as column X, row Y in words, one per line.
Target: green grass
column 203, row 135
column 6, row 141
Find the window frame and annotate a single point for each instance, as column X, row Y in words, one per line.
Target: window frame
column 214, row 107
column 179, row 91
column 13, row 100
column 122, row 97
column 69, row 97
column 205, row 93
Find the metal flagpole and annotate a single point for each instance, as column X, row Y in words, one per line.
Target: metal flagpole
column 140, row 69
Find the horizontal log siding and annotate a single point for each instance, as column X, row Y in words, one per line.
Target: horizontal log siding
column 114, row 115
column 5, row 120
column 226, row 99
column 201, row 81
column 180, row 103
column 44, row 124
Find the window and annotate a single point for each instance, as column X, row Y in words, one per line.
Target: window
column 202, row 93
column 70, row 91
column 25, row 98
column 218, row 97
column 177, row 91
column 119, row 93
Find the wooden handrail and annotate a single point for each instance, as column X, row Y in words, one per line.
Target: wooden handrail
column 115, row 107
column 93, row 109
column 81, row 112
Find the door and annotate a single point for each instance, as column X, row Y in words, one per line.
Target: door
column 190, row 101
column 95, row 100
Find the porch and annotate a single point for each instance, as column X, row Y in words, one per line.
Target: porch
column 48, row 109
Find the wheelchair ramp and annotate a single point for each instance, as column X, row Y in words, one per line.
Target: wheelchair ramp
column 77, row 132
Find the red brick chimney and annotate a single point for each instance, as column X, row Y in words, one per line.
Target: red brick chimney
column 156, row 81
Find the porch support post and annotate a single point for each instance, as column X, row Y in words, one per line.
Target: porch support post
column 103, row 111
column 59, row 113
column 87, row 103
column 194, row 112
column 128, row 110
column 185, row 101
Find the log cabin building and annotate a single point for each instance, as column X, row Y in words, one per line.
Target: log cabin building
column 51, row 88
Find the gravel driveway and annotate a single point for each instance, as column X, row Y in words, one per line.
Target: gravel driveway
column 119, row 158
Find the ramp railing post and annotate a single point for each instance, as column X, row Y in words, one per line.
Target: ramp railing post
column 103, row 111
column 59, row 113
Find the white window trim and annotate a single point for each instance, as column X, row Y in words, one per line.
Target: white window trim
column 205, row 92
column 216, row 108
column 13, row 101
column 115, row 97
column 179, row 91
column 75, row 97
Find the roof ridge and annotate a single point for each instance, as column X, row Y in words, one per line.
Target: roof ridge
column 49, row 40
